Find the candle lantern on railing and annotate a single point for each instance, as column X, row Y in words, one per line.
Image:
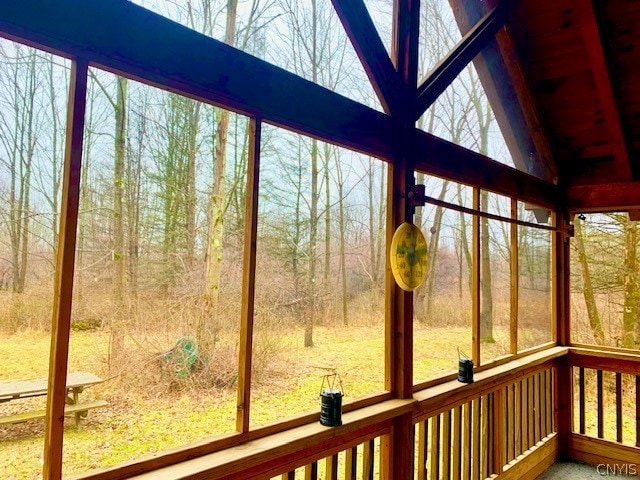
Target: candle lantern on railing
column 465, row 368
column 331, row 400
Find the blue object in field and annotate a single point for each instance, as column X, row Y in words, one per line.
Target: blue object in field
column 183, row 357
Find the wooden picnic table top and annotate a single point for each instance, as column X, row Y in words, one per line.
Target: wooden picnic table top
column 28, row 388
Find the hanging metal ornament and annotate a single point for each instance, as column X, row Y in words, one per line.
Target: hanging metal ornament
column 408, row 257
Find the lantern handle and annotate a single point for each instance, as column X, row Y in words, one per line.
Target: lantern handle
column 330, row 380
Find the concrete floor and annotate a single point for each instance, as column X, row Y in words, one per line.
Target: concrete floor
column 579, row 471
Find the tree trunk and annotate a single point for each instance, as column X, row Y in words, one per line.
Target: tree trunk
column 313, row 215
column 192, row 147
column 631, row 293
column 208, row 327
column 587, row 288
column 116, row 350
column 327, row 219
column 434, row 243
column 343, row 259
column 486, row 310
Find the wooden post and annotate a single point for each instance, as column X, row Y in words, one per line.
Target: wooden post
column 57, row 388
column 248, row 277
column 475, row 280
column 515, row 277
column 561, row 328
column 397, row 448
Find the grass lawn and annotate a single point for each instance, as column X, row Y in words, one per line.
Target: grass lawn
column 146, row 416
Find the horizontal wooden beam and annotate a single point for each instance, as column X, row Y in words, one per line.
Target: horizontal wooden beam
column 371, row 51
column 265, row 457
column 448, row 160
column 606, row 197
column 621, row 459
column 125, row 38
column 451, row 394
column 437, row 81
column 604, row 360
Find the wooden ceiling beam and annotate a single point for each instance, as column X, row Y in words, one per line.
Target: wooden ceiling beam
column 600, row 70
column 609, row 197
column 437, row 81
column 127, row 39
column 371, row 51
column 442, row 158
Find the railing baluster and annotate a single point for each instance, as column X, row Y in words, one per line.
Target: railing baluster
column 619, row 407
column 468, row 439
column 331, row 467
column 547, row 388
column 518, row 419
column 423, row 445
column 446, row 444
column 543, row 404
column 475, row 426
column 435, row 448
column 581, row 400
column 510, row 430
column 600, row 405
column 498, row 430
column 525, row 413
column 367, row 460
column 536, row 408
column 289, row 475
column 351, row 464
column 457, row 443
column 531, row 408
column 484, row 405
column 311, row 471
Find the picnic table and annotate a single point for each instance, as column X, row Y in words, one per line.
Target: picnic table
column 76, row 383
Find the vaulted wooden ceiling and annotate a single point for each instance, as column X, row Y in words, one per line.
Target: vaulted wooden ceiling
column 574, row 67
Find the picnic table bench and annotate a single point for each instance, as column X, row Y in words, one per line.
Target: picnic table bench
column 76, row 383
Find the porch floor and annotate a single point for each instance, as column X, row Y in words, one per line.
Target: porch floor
column 578, row 471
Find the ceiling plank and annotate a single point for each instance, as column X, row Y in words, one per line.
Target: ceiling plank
column 509, row 93
column 371, row 51
column 437, row 81
column 600, row 71
column 606, row 197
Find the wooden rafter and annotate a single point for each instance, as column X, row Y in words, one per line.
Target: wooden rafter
column 544, row 159
column 600, row 71
column 371, row 51
column 436, row 81
column 607, row 197
column 504, row 81
column 160, row 52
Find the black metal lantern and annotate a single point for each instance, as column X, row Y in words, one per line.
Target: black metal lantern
column 465, row 368
column 331, row 401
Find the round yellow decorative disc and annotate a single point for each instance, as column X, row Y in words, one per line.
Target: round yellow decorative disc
column 408, row 256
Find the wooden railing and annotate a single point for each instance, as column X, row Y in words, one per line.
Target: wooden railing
column 488, row 430
column 500, row 426
column 506, row 425
column 606, row 403
column 357, row 462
